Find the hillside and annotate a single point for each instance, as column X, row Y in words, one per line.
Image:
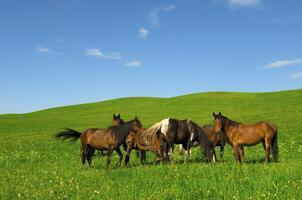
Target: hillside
column 33, row 164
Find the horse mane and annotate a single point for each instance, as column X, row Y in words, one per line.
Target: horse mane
column 231, row 122
column 154, row 128
column 117, row 130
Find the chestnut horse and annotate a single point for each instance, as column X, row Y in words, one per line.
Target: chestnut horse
column 144, row 140
column 109, row 139
column 239, row 135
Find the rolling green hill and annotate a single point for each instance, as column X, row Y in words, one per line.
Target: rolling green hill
column 33, row 164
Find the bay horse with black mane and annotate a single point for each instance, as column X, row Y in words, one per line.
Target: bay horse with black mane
column 239, row 135
column 109, row 139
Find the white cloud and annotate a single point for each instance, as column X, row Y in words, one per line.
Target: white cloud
column 296, row 75
column 134, row 63
column 244, row 3
column 170, row 7
column 51, row 53
column 41, row 49
column 115, row 56
column 143, row 33
column 282, row 63
column 154, row 13
column 94, row 52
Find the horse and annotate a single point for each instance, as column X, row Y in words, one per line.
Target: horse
column 239, row 135
column 144, row 140
column 216, row 139
column 186, row 132
column 109, row 139
column 117, row 120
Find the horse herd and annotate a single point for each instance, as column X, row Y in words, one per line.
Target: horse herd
column 161, row 137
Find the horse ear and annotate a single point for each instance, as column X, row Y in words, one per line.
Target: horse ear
column 214, row 114
column 119, row 115
column 219, row 113
column 113, row 115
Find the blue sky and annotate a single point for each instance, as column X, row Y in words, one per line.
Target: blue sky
column 63, row 52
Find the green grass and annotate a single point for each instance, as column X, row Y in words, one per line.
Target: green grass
column 33, row 164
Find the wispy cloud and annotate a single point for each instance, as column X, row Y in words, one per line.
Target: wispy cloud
column 244, row 3
column 143, row 33
column 170, row 7
column 153, row 16
column 115, row 56
column 95, row 52
column 282, row 63
column 296, row 75
column 134, row 63
column 51, row 53
column 41, row 49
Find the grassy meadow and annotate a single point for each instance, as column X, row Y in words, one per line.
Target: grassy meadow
column 35, row 165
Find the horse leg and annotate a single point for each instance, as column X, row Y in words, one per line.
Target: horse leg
column 121, row 157
column 236, row 153
column 170, row 152
column 90, row 152
column 83, row 153
column 267, row 150
column 241, row 153
column 142, row 157
column 221, row 151
column 127, row 158
column 109, row 156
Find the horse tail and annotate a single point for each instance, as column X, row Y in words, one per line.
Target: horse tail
column 275, row 146
column 69, row 134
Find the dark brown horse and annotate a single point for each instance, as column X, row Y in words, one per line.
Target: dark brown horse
column 109, row 139
column 144, row 140
column 117, row 120
column 216, row 139
column 239, row 135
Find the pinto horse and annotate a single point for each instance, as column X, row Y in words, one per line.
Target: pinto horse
column 109, row 139
column 185, row 132
column 239, row 135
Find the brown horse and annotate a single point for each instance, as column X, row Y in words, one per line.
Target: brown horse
column 109, row 139
column 239, row 135
column 216, row 138
column 144, row 141
column 117, row 120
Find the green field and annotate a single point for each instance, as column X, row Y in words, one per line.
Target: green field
column 33, row 164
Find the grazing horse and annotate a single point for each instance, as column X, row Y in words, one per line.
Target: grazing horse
column 185, row 132
column 216, row 139
column 144, row 140
column 109, row 139
column 239, row 135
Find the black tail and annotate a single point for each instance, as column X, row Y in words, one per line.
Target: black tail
column 275, row 147
column 69, row 134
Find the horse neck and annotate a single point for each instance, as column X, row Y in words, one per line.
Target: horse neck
column 227, row 124
column 125, row 129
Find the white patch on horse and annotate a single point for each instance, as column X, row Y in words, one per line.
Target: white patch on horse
column 214, row 159
column 164, row 126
